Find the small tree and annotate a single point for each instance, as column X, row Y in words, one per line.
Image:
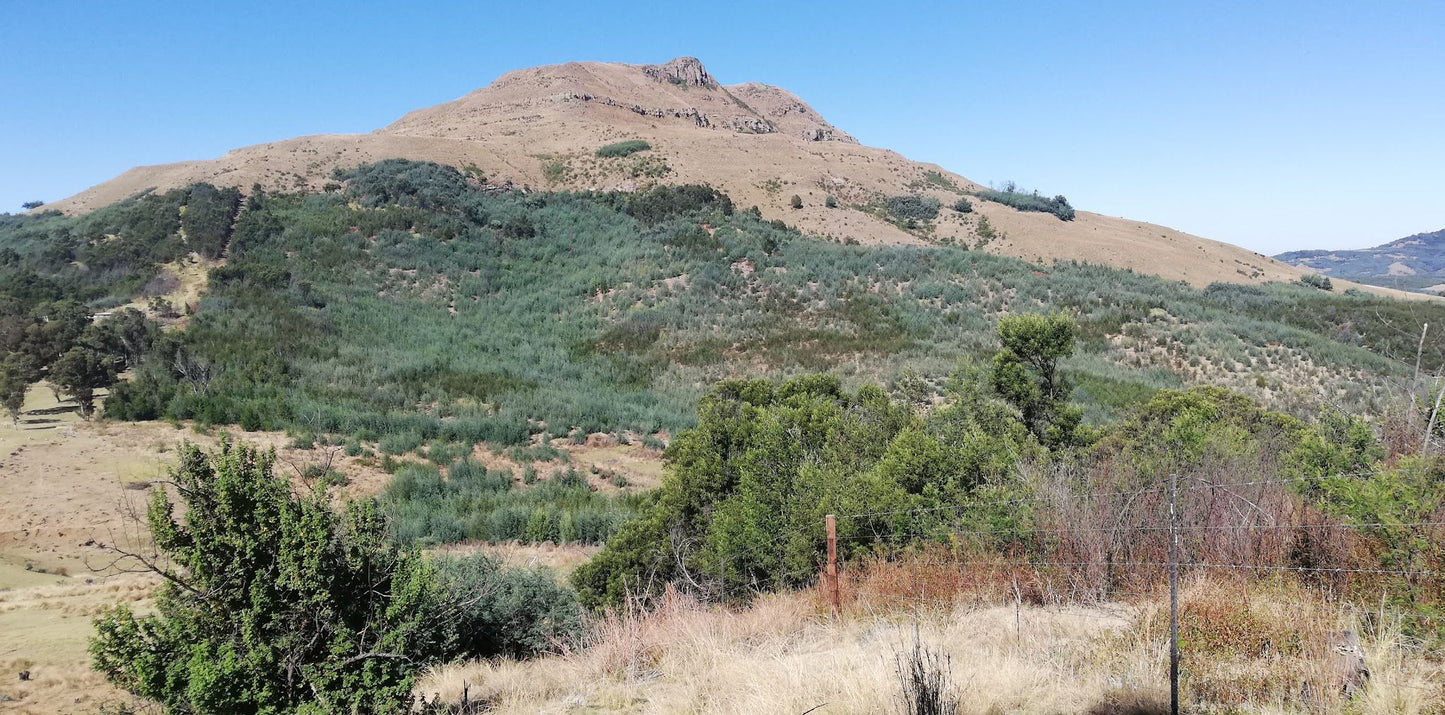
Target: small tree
column 830, row 202
column 963, row 206
column 79, row 373
column 32, row 205
column 1317, row 281
column 272, row 602
column 797, row 201
column 1026, row 373
column 16, row 374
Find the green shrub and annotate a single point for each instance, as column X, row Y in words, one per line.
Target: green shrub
column 963, row 206
column 400, row 443
column 623, row 148
column 514, row 613
column 346, row 629
column 914, row 207
column 1058, row 205
column 1318, row 281
column 472, row 502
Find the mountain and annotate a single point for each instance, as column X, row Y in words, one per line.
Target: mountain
column 1414, row 262
column 760, row 144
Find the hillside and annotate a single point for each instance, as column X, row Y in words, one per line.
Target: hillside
column 1413, row 263
column 559, row 370
column 760, row 144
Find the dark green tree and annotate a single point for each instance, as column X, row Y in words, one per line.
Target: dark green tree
column 125, row 335
column 743, row 507
column 272, row 602
column 16, row 373
column 1026, row 374
column 796, row 202
column 56, row 328
column 80, row 372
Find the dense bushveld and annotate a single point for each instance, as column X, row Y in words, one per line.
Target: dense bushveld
column 946, row 404
column 415, row 301
column 1081, row 511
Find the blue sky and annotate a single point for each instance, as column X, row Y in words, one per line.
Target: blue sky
column 1274, row 125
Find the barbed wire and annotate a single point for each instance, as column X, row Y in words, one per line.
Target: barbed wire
column 1120, row 493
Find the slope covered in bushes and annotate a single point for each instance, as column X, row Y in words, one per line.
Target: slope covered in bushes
column 412, row 300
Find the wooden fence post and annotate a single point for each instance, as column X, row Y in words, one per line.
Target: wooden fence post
column 833, row 595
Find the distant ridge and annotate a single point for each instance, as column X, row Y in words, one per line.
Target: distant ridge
column 1421, row 256
column 541, row 127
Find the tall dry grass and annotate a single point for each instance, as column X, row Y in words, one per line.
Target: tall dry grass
column 1264, row 651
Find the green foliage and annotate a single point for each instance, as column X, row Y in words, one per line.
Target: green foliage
column 830, row 201
column 623, row 148
column 473, row 502
column 743, row 504
column 911, row 206
column 1026, row 373
column 514, row 613
column 963, row 205
column 79, row 373
column 796, row 202
column 661, row 203
column 273, row 602
column 1317, row 281
column 1033, row 201
column 416, row 304
column 17, row 372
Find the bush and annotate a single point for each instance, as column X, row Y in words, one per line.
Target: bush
column 1058, row 205
column 665, row 202
column 1318, row 281
column 514, row 613
column 400, row 443
column 473, row 502
column 625, row 148
column 830, row 202
column 796, row 202
column 278, row 603
column 914, row 207
column 963, row 206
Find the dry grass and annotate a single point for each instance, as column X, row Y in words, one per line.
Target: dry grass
column 45, row 629
column 785, row 655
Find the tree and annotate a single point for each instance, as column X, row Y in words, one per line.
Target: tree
column 79, row 372
column 1026, row 373
column 16, row 374
column 764, row 461
column 272, row 601
column 796, row 202
column 32, row 205
column 55, row 329
column 126, row 335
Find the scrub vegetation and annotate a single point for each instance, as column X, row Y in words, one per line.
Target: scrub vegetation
column 948, row 405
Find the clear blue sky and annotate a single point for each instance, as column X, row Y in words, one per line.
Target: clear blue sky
column 1274, row 125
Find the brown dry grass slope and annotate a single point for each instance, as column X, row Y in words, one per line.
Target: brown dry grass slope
column 541, row 127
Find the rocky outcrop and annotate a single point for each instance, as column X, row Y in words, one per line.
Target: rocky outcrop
column 746, row 124
column 685, row 71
